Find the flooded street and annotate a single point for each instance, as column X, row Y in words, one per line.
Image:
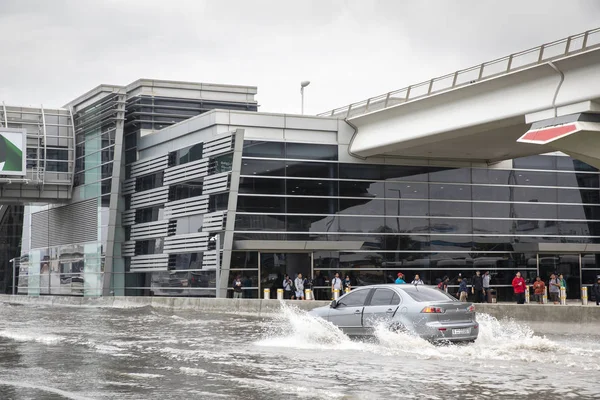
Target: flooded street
column 146, row 353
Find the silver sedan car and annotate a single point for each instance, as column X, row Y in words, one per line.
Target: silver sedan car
column 424, row 310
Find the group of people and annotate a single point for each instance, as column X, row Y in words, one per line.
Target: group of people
column 480, row 287
column 539, row 288
column 416, row 281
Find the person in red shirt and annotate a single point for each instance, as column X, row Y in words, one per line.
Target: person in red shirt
column 539, row 287
column 518, row 284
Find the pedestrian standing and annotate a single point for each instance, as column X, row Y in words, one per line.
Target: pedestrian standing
column 518, row 285
column 563, row 282
column 539, row 288
column 462, row 289
column 554, row 288
column 237, row 287
column 477, row 287
column 400, row 279
column 417, row 280
column 299, row 285
column 486, row 285
column 336, row 284
column 596, row 291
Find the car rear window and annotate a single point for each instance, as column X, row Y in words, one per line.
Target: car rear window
column 427, row 294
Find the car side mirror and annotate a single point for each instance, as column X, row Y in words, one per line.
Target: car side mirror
column 333, row 304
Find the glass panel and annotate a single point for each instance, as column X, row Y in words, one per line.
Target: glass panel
column 311, row 151
column 307, row 205
column 361, row 189
column 535, row 162
column 492, row 176
column 223, row 163
column 384, row 297
column 297, row 187
column 400, row 190
column 458, row 175
column 311, row 169
column 311, row 224
column 406, row 208
column 428, row 294
column 570, row 164
column 258, row 148
column 449, row 192
column 244, row 259
column 262, row 186
column 356, row 298
column 362, row 207
column 360, row 171
column 263, row 167
column 244, row 222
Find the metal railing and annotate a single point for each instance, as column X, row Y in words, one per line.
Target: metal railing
column 538, row 55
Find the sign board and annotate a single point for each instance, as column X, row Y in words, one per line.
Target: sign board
column 13, row 143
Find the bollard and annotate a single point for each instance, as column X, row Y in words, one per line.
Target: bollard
column 336, row 294
column 279, row 294
column 308, row 294
column 267, row 294
column 563, row 296
column 527, row 295
column 584, row 298
column 347, row 290
column 545, row 296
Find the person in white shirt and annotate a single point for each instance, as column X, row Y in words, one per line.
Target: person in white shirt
column 336, row 284
column 299, row 284
column 417, row 280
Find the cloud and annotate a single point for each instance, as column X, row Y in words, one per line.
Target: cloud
column 350, row 50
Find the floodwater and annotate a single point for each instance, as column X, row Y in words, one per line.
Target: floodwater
column 144, row 353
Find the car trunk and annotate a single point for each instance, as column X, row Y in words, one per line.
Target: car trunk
column 454, row 312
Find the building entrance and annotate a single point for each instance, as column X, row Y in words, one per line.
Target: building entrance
column 274, row 266
column 568, row 265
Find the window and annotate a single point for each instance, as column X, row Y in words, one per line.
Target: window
column 223, row 163
column 309, row 151
column 385, row 297
column 262, row 186
column 355, row 298
column 311, row 169
column 427, row 294
column 185, row 190
column 186, row 155
column 258, row 148
column 262, row 167
column 147, row 214
column 148, row 182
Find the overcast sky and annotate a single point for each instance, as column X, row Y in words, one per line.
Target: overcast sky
column 52, row 51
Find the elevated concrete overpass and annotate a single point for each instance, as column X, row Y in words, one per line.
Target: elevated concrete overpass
column 46, row 158
column 480, row 114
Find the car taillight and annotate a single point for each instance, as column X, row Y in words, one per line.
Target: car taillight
column 432, row 310
column 471, row 308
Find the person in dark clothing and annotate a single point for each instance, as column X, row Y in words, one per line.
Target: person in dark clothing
column 596, row 291
column 477, row 288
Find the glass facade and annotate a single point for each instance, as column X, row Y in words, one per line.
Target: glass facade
column 434, row 221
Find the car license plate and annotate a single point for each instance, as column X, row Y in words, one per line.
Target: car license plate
column 464, row 331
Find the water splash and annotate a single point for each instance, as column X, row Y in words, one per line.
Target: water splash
column 498, row 340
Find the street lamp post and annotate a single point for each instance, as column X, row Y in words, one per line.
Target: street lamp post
column 303, row 84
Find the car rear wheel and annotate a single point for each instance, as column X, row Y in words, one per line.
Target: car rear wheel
column 397, row 327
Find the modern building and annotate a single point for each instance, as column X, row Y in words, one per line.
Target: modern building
column 173, row 189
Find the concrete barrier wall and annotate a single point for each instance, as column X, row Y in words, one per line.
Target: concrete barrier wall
column 545, row 314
